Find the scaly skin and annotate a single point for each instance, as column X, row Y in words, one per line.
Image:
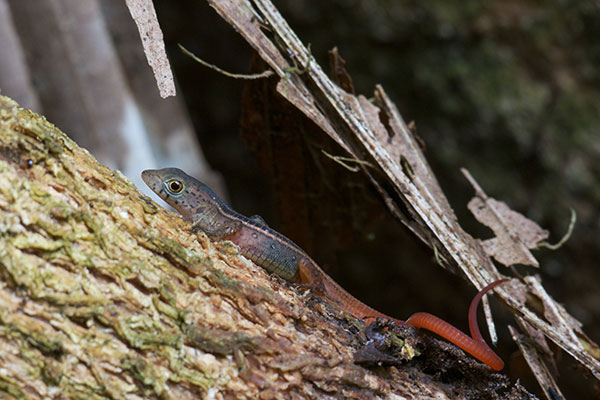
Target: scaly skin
column 279, row 255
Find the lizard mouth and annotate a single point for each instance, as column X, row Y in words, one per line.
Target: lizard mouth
column 151, row 178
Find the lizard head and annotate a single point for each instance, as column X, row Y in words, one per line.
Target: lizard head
column 184, row 193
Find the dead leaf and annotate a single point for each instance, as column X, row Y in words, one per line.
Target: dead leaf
column 515, row 234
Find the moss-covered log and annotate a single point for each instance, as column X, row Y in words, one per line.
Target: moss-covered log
column 105, row 295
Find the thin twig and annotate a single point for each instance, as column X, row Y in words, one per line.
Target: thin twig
column 264, row 74
column 343, row 160
column 298, row 70
column 565, row 237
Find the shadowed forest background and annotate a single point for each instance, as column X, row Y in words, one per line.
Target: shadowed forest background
column 508, row 90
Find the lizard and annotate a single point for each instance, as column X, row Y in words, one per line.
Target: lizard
column 277, row 254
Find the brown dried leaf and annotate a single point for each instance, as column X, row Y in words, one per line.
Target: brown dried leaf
column 515, row 234
column 337, row 66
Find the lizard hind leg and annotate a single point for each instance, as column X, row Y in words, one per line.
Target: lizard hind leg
column 310, row 277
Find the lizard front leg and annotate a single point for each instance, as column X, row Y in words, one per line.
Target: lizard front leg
column 215, row 228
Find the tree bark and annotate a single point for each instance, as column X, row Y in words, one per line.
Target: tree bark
column 105, row 295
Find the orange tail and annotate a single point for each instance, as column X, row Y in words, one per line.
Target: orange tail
column 475, row 346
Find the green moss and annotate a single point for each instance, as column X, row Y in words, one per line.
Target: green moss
column 52, row 372
column 174, row 251
column 152, row 379
column 144, row 373
column 11, row 389
column 37, row 337
column 223, row 281
column 184, row 374
column 35, row 133
column 166, row 309
column 218, row 341
column 141, row 331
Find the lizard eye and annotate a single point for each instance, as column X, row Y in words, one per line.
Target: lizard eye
column 174, row 187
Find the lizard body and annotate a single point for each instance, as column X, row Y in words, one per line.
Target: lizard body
column 258, row 242
column 277, row 254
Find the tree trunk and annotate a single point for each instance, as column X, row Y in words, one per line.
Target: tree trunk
column 105, row 295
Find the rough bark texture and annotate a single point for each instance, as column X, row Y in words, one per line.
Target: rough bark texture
column 105, row 295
